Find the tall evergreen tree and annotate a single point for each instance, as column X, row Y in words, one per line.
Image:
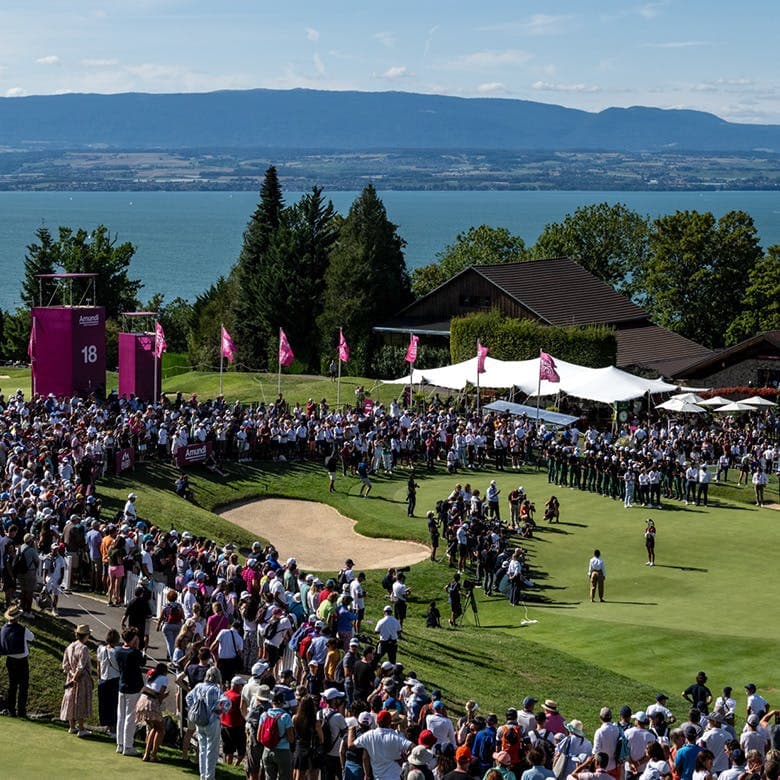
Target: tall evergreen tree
column 252, row 334
column 40, row 258
column 366, row 281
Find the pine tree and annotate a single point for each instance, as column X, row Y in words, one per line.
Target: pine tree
column 39, row 259
column 366, row 281
column 252, row 333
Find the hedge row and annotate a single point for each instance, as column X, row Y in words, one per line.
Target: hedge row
column 512, row 339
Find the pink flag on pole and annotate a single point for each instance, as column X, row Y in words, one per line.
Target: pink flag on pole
column 481, row 355
column 547, row 368
column 343, row 347
column 228, row 348
column 411, row 350
column 286, row 355
column 159, row 340
column 31, row 342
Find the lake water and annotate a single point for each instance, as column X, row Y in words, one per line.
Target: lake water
column 185, row 240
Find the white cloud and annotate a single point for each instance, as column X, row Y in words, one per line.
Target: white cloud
column 387, row 39
column 90, row 62
column 547, row 86
column 52, row 59
column 492, row 59
column 538, row 24
column 651, row 10
column 676, row 44
column 15, row 92
column 397, row 72
column 319, row 65
column 312, row 34
column 429, row 40
column 492, row 88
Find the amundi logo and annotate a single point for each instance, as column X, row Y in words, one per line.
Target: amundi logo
column 88, row 320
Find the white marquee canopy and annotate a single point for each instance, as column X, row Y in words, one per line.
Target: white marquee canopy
column 606, row 385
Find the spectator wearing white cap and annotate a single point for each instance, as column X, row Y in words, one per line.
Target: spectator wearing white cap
column 334, row 727
column 714, row 739
column 389, row 630
column 130, row 512
column 752, row 738
column 639, row 737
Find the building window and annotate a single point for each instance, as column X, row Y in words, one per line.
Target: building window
column 475, row 301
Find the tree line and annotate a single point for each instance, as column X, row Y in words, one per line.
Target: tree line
column 705, row 278
column 311, row 271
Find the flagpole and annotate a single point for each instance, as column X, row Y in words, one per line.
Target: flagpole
column 338, row 383
column 156, row 336
column 279, row 376
column 477, row 380
column 221, row 357
column 538, row 388
column 411, row 374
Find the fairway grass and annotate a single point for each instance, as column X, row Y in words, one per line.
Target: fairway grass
column 37, row 750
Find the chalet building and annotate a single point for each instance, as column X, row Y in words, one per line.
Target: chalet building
column 755, row 361
column 555, row 292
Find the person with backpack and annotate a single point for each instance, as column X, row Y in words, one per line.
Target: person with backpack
column 334, row 728
column 171, row 620
column 509, row 739
column 484, row 744
column 14, row 644
column 568, row 750
column 277, row 736
column 206, row 703
column 543, row 738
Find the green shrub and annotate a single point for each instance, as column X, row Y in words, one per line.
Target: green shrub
column 388, row 361
column 512, row 339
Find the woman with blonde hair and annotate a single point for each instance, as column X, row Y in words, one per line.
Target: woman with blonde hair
column 77, row 699
column 148, row 710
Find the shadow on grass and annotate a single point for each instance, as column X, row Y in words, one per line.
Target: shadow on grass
column 680, row 568
column 632, row 603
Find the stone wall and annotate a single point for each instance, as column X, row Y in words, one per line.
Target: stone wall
column 742, row 373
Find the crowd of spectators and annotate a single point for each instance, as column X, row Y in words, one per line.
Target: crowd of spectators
column 258, row 638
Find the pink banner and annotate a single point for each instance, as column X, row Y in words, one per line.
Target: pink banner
column 343, row 347
column 189, row 454
column 227, row 347
column 411, row 350
column 124, row 460
column 481, row 355
column 547, row 368
column 368, row 406
column 286, row 355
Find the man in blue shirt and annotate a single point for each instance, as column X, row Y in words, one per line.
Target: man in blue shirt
column 485, row 744
column 685, row 760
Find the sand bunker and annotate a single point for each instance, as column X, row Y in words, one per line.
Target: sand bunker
column 319, row 537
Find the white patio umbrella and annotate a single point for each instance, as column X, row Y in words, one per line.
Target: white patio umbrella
column 716, row 400
column 681, row 406
column 734, row 407
column 757, row 400
column 690, row 397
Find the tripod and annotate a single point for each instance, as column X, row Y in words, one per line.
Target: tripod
column 471, row 602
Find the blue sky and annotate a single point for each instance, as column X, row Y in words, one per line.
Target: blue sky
column 716, row 56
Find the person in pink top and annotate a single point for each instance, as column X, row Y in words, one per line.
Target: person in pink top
column 555, row 721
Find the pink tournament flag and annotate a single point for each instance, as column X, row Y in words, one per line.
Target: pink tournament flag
column 343, row 348
column 228, row 348
column 481, row 355
column 547, row 368
column 159, row 340
column 411, row 351
column 31, row 342
column 286, row 355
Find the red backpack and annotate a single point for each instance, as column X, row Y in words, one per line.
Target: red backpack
column 268, row 735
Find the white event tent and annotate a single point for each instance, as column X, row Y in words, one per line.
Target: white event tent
column 606, row 385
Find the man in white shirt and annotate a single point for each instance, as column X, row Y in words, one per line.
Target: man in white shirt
column 639, row 737
column 705, row 477
column 691, row 478
column 660, row 706
column 440, row 725
column 756, row 704
column 385, row 747
column 358, row 593
column 229, row 648
column 389, row 629
column 715, row 739
column 605, row 737
column 597, row 573
column 399, row 596
column 131, row 516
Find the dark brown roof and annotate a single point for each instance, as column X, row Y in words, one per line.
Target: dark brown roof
column 655, row 347
column 700, row 365
column 562, row 292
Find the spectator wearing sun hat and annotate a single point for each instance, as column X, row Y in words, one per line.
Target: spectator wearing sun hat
column 14, row 642
column 419, row 764
column 555, row 721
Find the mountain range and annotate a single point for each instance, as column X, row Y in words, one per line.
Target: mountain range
column 355, row 121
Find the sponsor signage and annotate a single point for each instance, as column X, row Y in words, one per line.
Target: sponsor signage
column 199, row 452
column 124, row 460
